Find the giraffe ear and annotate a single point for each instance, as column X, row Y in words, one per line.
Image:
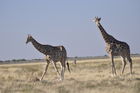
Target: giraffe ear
column 99, row 18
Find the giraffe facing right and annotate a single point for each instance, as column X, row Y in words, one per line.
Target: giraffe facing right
column 115, row 47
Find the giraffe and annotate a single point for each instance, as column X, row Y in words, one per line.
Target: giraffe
column 53, row 55
column 115, row 47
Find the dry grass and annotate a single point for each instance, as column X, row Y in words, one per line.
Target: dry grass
column 88, row 76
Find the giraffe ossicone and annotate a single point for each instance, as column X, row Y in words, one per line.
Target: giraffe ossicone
column 115, row 47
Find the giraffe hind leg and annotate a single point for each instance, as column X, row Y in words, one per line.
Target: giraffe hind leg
column 62, row 70
column 62, row 73
column 54, row 64
column 124, row 64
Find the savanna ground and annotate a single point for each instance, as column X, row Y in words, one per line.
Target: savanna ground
column 87, row 76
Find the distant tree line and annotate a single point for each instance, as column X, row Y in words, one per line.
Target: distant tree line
column 13, row 60
column 69, row 58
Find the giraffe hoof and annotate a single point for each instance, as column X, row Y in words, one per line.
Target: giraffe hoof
column 37, row 79
column 113, row 75
column 34, row 79
column 59, row 79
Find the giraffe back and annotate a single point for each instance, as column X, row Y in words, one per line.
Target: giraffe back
column 118, row 48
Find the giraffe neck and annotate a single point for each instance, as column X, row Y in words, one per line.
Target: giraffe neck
column 38, row 46
column 107, row 38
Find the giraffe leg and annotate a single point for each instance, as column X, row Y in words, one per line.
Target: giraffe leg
column 62, row 70
column 130, row 61
column 62, row 73
column 45, row 70
column 124, row 64
column 55, row 67
column 113, row 66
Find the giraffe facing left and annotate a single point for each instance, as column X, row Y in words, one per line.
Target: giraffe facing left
column 53, row 55
column 115, row 47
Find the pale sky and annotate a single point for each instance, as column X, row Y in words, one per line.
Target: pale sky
column 68, row 23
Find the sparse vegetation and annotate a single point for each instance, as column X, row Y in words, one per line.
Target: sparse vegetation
column 87, row 76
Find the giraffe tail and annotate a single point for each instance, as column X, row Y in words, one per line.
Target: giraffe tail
column 68, row 67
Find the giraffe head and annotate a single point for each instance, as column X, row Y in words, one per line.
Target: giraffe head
column 96, row 20
column 29, row 39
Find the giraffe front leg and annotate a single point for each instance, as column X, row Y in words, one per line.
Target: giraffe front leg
column 45, row 71
column 113, row 66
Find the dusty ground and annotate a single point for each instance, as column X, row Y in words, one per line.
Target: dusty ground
column 87, row 76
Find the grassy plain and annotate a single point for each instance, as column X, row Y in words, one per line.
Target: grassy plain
column 87, row 76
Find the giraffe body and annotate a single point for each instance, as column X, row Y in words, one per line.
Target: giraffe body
column 115, row 47
column 53, row 54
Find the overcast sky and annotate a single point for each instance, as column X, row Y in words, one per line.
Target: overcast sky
column 68, row 23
